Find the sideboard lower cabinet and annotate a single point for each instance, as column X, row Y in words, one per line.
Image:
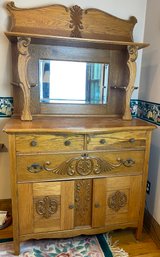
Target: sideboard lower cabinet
column 80, row 204
column 86, row 180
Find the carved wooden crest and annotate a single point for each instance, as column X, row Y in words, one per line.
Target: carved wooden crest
column 59, row 20
column 76, row 21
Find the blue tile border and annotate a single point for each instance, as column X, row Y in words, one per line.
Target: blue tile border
column 146, row 110
column 6, row 107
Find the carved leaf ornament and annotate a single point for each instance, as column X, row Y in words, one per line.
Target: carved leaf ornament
column 83, row 165
column 76, row 21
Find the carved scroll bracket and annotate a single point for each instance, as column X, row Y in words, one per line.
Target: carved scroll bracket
column 23, row 58
column 133, row 53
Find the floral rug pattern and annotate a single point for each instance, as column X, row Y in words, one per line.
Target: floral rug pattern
column 81, row 246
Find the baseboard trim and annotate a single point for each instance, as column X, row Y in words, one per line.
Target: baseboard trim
column 152, row 227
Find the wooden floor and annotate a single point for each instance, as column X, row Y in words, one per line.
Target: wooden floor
column 144, row 248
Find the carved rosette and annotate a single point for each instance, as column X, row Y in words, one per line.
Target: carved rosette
column 133, row 53
column 76, row 21
column 117, row 200
column 23, row 58
column 46, row 207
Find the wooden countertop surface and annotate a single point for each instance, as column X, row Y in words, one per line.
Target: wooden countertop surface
column 75, row 124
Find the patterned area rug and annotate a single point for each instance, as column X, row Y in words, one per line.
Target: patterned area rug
column 81, row 246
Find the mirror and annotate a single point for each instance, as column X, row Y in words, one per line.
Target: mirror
column 73, row 82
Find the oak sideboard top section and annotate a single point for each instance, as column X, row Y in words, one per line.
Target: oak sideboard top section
column 52, row 24
column 75, row 125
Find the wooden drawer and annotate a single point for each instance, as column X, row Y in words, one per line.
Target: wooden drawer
column 61, row 166
column 117, row 140
column 47, row 142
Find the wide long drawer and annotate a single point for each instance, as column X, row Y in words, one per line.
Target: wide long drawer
column 60, row 166
column 48, row 142
column 117, row 140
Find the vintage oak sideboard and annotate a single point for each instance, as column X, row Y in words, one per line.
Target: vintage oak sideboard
column 75, row 168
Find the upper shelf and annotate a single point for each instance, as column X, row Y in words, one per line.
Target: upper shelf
column 57, row 24
column 76, row 42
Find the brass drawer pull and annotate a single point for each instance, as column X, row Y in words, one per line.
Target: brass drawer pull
column 71, row 206
column 128, row 162
column 102, row 141
column 67, row 142
column 132, row 140
column 33, row 143
column 35, row 168
column 97, row 205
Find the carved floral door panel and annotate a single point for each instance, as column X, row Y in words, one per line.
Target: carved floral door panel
column 116, row 200
column 83, row 203
column 48, row 206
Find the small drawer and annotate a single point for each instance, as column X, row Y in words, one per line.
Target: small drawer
column 117, row 140
column 62, row 166
column 48, row 143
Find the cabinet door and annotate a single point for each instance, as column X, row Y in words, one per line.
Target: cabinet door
column 45, row 206
column 116, row 201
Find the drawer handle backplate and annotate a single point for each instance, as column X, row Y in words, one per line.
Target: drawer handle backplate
column 128, row 162
column 35, row 168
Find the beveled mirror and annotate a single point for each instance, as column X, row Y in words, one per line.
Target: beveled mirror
column 73, row 82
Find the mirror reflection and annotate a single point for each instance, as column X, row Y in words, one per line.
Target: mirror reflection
column 73, row 82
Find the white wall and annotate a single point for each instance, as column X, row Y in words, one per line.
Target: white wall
column 150, row 91
column 121, row 8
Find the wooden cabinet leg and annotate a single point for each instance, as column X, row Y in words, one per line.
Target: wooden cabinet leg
column 16, row 245
column 138, row 234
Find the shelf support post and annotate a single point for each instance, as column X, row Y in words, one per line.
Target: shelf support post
column 133, row 53
column 23, row 58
